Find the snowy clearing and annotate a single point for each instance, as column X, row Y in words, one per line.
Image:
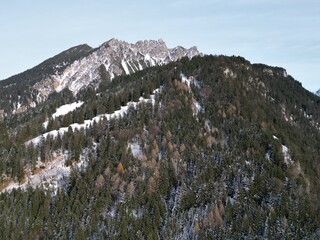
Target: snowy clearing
column 63, row 110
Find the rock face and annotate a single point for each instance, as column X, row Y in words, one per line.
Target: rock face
column 112, row 58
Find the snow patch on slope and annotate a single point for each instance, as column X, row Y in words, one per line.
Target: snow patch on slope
column 18, row 106
column 87, row 123
column 64, row 109
column 196, row 107
column 136, row 150
column 286, row 154
column 185, row 80
column 189, row 81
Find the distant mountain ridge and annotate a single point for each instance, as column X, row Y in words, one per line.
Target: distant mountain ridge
column 318, row 92
column 112, row 58
column 81, row 66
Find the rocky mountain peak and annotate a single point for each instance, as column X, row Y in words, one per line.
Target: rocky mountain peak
column 318, row 93
column 156, row 49
column 152, row 47
column 115, row 57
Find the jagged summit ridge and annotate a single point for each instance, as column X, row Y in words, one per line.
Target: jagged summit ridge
column 115, row 57
column 155, row 48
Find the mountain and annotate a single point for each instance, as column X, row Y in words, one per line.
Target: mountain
column 203, row 147
column 318, row 93
column 82, row 66
column 19, row 90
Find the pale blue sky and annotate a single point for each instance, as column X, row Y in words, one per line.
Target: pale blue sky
column 283, row 33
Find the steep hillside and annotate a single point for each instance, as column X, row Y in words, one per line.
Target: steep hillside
column 211, row 147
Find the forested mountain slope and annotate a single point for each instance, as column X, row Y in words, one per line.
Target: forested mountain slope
column 202, row 148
